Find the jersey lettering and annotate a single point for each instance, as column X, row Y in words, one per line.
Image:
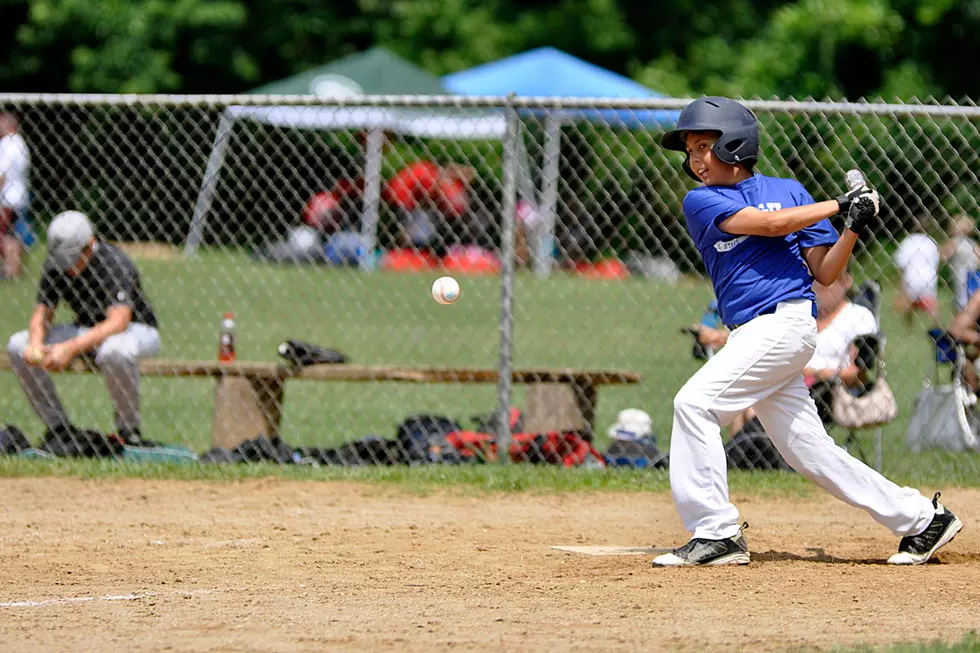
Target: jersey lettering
column 729, row 245
column 769, row 207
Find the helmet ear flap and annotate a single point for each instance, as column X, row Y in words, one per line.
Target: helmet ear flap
column 738, row 145
column 726, row 150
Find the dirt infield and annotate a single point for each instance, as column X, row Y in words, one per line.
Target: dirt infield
column 296, row 566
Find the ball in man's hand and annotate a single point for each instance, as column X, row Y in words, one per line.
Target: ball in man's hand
column 34, row 355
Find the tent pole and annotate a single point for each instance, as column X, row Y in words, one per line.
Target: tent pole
column 545, row 231
column 525, row 184
column 507, row 231
column 196, row 231
column 372, row 197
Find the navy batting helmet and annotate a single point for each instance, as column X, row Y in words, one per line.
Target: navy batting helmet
column 739, row 140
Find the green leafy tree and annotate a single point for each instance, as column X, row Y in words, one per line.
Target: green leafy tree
column 125, row 45
column 835, row 48
column 832, row 48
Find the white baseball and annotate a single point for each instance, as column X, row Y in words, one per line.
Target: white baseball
column 445, row 290
column 34, row 355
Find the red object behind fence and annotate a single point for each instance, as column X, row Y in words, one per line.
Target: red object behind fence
column 471, row 260
column 607, row 269
column 408, row 260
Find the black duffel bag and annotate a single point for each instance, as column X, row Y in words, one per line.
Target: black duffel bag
column 751, row 449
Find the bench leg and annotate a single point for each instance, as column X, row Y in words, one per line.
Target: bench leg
column 245, row 408
column 554, row 407
column 271, row 394
column 587, row 396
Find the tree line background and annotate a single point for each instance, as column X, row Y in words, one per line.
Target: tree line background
column 819, row 48
column 616, row 185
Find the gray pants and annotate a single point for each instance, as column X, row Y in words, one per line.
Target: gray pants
column 117, row 358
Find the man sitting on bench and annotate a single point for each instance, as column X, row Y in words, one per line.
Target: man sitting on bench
column 114, row 326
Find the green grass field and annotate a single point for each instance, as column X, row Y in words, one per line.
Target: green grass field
column 386, row 318
column 968, row 644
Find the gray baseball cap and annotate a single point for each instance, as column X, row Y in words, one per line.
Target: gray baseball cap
column 68, row 235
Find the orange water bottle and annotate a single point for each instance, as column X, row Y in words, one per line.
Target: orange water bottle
column 226, row 339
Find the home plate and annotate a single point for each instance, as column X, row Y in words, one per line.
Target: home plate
column 612, row 550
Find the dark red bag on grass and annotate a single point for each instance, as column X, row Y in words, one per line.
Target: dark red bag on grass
column 569, row 449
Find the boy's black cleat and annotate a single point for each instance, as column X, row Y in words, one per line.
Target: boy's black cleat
column 917, row 549
column 707, row 553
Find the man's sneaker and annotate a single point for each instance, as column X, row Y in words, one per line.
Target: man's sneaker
column 707, row 553
column 917, row 549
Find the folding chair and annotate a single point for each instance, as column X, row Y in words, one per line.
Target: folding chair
column 869, row 360
column 945, row 414
column 972, row 283
column 868, row 295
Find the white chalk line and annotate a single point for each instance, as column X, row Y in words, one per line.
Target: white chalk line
column 612, row 550
column 75, row 599
column 207, row 544
column 67, row 600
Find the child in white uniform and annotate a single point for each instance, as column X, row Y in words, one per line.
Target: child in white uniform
column 764, row 240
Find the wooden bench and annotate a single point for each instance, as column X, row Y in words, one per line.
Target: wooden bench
column 249, row 396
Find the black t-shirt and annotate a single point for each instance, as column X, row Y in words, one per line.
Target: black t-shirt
column 109, row 279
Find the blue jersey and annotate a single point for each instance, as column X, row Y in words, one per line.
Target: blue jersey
column 751, row 274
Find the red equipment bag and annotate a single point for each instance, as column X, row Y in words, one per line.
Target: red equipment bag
column 569, row 449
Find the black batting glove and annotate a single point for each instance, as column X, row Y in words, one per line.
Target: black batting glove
column 847, row 198
column 862, row 209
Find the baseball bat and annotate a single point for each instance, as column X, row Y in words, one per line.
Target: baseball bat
column 855, row 179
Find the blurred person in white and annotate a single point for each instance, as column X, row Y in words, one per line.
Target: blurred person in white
column 14, row 165
column 839, row 322
column 917, row 257
column 114, row 325
column 962, row 254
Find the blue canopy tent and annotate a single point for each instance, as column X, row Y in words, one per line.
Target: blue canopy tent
column 548, row 72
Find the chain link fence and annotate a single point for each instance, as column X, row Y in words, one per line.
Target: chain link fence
column 327, row 223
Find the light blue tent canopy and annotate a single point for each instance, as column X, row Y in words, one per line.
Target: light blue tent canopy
column 548, row 72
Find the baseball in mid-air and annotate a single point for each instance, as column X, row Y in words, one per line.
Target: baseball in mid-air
column 445, row 290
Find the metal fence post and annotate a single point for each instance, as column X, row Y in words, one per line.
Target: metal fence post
column 508, row 206
column 372, row 197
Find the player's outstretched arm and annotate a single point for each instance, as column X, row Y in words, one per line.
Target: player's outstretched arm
column 751, row 221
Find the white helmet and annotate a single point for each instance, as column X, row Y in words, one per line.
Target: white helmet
column 631, row 424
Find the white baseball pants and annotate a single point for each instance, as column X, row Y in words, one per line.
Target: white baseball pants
column 117, row 358
column 761, row 367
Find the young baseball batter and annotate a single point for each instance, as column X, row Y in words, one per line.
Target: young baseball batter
column 764, row 240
